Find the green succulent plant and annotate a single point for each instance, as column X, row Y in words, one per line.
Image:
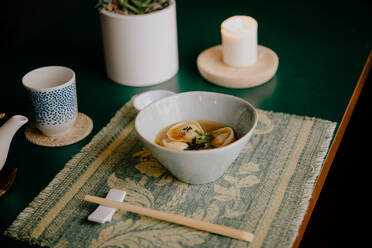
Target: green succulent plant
column 132, row 7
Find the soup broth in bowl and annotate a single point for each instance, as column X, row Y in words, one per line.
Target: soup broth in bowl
column 195, row 135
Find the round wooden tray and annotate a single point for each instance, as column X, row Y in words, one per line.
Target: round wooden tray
column 213, row 69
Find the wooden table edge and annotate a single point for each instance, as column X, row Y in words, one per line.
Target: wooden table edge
column 333, row 149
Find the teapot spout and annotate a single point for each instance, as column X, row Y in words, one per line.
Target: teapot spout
column 7, row 131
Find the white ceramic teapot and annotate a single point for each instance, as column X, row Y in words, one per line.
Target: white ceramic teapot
column 7, row 132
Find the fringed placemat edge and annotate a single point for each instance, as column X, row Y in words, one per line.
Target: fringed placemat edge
column 310, row 183
column 12, row 230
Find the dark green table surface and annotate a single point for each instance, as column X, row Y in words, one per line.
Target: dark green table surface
column 322, row 48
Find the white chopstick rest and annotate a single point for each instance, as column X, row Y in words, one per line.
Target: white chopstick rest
column 104, row 214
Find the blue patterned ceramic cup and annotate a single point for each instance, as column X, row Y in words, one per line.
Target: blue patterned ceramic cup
column 53, row 95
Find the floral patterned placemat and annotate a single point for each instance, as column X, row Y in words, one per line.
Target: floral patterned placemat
column 265, row 191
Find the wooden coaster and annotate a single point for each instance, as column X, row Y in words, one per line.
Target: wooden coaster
column 213, row 69
column 82, row 127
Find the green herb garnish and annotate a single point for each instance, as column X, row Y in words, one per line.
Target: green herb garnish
column 204, row 137
column 201, row 141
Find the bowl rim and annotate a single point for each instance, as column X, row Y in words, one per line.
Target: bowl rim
column 219, row 149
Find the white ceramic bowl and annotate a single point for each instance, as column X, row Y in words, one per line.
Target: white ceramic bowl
column 203, row 166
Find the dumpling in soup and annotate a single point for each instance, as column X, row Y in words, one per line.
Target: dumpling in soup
column 195, row 135
column 184, row 131
column 222, row 137
column 175, row 145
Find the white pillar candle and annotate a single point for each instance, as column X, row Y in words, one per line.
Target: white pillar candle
column 239, row 41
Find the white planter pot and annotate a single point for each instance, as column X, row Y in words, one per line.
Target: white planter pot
column 140, row 50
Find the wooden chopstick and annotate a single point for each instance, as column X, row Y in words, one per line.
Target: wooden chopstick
column 174, row 218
